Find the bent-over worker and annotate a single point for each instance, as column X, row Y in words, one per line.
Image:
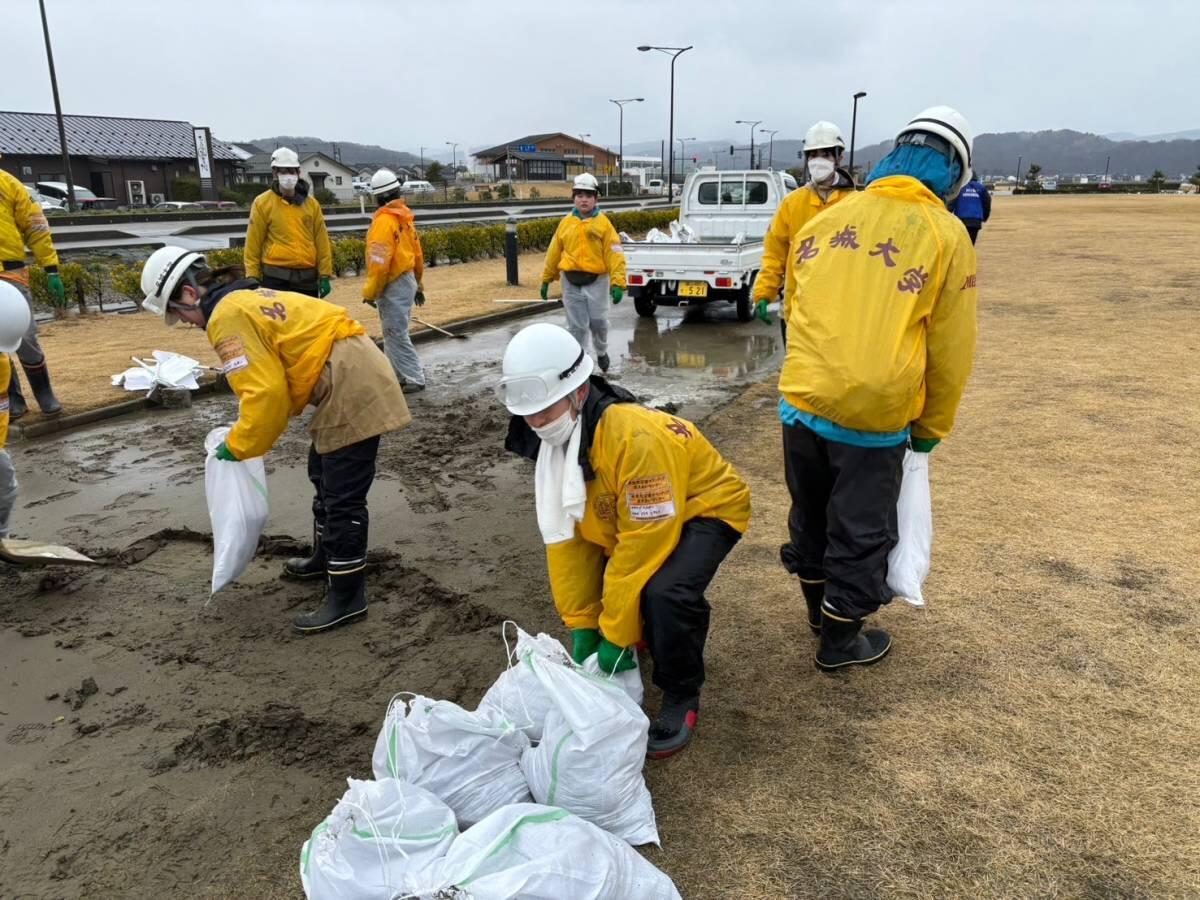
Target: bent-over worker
column 281, row 351
column 637, row 511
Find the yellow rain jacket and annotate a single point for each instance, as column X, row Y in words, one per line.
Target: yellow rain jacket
column 287, row 235
column 22, row 224
column 796, row 211
column 273, row 347
column 654, row 472
column 586, row 245
column 393, row 248
column 881, row 318
column 5, row 378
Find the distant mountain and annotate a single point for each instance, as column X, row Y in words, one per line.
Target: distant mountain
column 1070, row 153
column 350, row 153
column 1192, row 135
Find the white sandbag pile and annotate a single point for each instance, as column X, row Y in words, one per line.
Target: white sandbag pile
column 469, row 759
column 538, row 853
column 548, row 730
column 378, row 832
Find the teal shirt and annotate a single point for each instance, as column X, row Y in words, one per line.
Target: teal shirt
column 832, row 431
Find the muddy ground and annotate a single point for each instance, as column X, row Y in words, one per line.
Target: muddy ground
column 155, row 744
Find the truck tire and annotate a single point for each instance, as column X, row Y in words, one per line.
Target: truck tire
column 745, row 308
column 645, row 306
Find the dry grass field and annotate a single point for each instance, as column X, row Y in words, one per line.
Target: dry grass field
column 1034, row 733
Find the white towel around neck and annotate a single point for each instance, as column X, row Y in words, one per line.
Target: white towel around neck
column 560, row 493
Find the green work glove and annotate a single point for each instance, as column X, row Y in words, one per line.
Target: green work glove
column 370, row 303
column 545, row 291
column 614, row 659
column 760, row 311
column 223, row 452
column 419, row 297
column 584, row 642
column 617, row 294
column 923, row 445
column 54, row 285
column 325, row 288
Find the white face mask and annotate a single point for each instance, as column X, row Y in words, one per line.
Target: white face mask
column 557, row 432
column 820, row 170
column 288, row 182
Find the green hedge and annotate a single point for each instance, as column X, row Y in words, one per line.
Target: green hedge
column 99, row 279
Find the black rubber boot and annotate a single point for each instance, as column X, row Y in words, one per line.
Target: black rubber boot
column 674, row 727
column 844, row 643
column 16, row 400
column 814, row 593
column 345, row 601
column 39, row 383
column 603, row 361
column 304, row 568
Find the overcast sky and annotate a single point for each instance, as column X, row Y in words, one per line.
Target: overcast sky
column 404, row 74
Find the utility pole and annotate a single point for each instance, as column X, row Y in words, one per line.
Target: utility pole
column 62, row 128
column 854, row 127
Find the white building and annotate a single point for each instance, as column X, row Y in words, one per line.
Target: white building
column 318, row 169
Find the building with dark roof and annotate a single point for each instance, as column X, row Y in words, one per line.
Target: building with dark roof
column 553, row 156
column 134, row 161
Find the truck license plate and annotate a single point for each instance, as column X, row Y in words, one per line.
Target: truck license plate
column 693, row 289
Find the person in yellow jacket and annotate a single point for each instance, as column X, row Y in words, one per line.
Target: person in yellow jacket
column 14, row 321
column 395, row 264
column 23, row 224
column 637, row 511
column 587, row 251
column 881, row 335
column 827, row 184
column 287, row 246
column 280, row 352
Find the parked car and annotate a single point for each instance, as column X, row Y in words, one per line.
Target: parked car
column 215, row 204
column 417, row 187
column 85, row 198
column 174, row 204
column 48, row 204
column 727, row 215
column 361, row 185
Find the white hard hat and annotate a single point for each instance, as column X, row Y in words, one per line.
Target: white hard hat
column 950, row 125
column 383, row 181
column 284, row 158
column 824, row 136
column 14, row 317
column 586, row 182
column 542, row 364
column 161, row 274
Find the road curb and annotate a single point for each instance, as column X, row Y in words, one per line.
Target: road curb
column 141, row 404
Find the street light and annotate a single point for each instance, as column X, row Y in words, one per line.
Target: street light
column 752, row 125
column 422, row 162
column 854, row 124
column 453, row 155
column 583, row 139
column 621, row 132
column 770, row 153
column 675, row 53
column 62, row 131
column 683, row 155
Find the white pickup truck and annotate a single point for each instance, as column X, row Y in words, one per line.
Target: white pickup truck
column 727, row 214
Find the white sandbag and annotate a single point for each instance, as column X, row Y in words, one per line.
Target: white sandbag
column 592, row 753
column 908, row 563
column 517, row 693
column 237, row 507
column 378, row 832
column 538, row 853
column 630, row 680
column 471, row 760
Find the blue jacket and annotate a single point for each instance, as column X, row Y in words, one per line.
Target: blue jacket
column 973, row 204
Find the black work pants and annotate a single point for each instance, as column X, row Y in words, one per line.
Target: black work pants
column 341, row 479
column 674, row 611
column 973, row 231
column 842, row 522
column 282, row 284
